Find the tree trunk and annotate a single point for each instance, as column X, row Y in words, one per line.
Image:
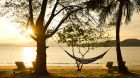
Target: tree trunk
column 41, row 68
column 121, row 65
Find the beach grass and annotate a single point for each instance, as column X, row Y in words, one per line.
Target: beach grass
column 70, row 72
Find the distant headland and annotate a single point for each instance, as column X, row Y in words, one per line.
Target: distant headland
column 112, row 43
column 109, row 43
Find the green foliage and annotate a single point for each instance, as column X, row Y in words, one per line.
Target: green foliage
column 18, row 11
column 94, row 4
column 110, row 8
column 76, row 35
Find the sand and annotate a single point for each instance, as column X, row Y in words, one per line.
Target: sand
column 70, row 72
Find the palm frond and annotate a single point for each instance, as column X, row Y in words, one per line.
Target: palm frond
column 128, row 10
column 108, row 10
column 93, row 4
column 137, row 4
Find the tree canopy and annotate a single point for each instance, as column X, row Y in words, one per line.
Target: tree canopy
column 44, row 17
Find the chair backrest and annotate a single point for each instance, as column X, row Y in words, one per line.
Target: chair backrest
column 20, row 65
column 34, row 64
column 109, row 64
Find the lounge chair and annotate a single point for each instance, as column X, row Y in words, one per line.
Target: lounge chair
column 112, row 68
column 109, row 66
column 20, row 68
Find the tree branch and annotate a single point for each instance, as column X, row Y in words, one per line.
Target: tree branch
column 86, row 51
column 31, row 13
column 59, row 11
column 31, row 18
column 52, row 15
column 80, row 52
column 32, row 37
column 40, row 19
column 64, row 8
column 60, row 23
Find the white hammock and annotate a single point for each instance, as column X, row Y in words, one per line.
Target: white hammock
column 86, row 61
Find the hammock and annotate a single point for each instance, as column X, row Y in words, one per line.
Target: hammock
column 86, row 61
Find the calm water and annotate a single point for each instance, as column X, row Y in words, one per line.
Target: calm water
column 57, row 57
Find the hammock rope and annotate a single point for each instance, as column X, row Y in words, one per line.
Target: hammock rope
column 84, row 60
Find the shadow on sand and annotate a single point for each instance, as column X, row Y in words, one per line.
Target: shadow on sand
column 25, row 75
column 132, row 75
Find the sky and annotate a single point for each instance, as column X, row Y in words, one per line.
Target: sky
column 10, row 34
column 131, row 30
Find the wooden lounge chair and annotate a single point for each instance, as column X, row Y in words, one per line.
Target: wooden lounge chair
column 20, row 68
column 112, row 68
column 109, row 66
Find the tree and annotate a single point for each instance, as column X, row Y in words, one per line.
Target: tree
column 81, row 36
column 118, row 9
column 44, row 17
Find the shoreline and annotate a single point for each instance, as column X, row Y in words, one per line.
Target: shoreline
column 137, row 67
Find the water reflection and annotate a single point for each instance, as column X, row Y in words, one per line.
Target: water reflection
column 29, row 55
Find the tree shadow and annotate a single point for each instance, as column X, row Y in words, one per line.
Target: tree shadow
column 132, row 75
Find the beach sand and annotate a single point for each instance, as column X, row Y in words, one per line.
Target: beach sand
column 71, row 72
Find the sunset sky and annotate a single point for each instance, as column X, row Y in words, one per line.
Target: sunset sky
column 10, row 34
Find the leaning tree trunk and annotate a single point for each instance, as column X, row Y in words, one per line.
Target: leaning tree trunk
column 121, row 65
column 41, row 57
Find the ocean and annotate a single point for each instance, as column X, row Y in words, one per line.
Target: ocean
column 57, row 57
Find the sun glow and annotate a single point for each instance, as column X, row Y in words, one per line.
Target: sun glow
column 29, row 31
column 9, row 28
column 29, row 55
column 26, row 35
column 12, row 32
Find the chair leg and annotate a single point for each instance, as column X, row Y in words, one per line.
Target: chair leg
column 110, row 71
column 14, row 72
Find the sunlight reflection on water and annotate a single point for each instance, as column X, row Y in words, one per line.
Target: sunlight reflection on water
column 28, row 55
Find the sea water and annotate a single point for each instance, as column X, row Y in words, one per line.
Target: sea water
column 57, row 57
